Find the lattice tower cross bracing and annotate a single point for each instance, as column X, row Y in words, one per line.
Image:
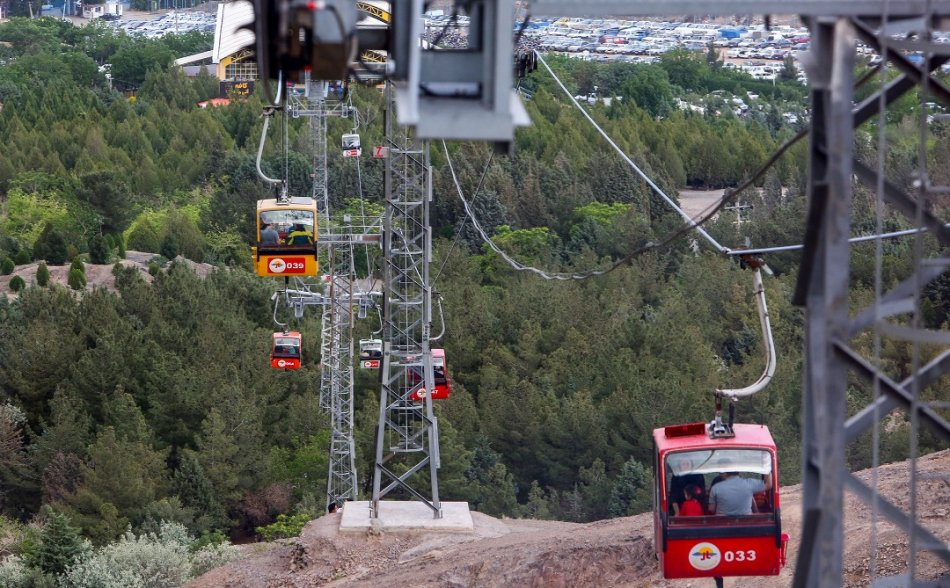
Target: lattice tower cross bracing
column 407, row 441
column 336, row 345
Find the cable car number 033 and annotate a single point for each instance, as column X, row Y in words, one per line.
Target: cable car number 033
column 748, row 555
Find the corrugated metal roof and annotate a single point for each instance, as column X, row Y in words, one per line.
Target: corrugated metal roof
column 193, row 58
column 229, row 37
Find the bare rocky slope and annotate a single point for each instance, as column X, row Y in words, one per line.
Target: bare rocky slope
column 96, row 275
column 550, row 554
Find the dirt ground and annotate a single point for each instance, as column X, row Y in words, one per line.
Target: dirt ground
column 697, row 203
column 96, row 275
column 549, row 554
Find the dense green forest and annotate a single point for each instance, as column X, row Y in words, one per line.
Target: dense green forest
column 156, row 403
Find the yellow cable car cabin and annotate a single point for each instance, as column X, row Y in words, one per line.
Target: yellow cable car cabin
column 286, row 238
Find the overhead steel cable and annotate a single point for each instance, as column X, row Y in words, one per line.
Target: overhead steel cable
column 716, row 245
column 729, row 195
column 692, row 223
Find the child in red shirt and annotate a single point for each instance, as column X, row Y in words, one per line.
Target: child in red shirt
column 691, row 507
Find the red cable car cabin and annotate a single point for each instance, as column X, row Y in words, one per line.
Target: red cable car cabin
column 286, row 351
column 716, row 545
column 442, row 386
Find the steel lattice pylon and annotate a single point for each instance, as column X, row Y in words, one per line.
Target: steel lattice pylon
column 823, row 289
column 407, row 441
column 336, row 344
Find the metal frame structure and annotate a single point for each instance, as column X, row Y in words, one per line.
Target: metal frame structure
column 341, row 294
column 823, row 289
column 407, row 439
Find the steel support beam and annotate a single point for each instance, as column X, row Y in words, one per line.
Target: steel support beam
column 827, row 303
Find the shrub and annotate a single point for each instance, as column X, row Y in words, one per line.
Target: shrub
column 99, row 249
column 17, row 283
column 120, row 244
column 154, row 268
column 145, row 561
column 51, row 246
column 15, row 537
column 42, row 274
column 13, row 572
column 212, row 556
column 22, row 257
column 170, row 247
column 6, row 266
column 143, row 237
column 149, row 560
column 110, row 241
column 77, row 279
column 78, row 264
column 285, row 526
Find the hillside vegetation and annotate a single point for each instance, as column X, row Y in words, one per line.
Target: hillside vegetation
column 155, row 402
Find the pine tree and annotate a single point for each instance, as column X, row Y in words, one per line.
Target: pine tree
column 42, row 274
column 22, row 257
column 51, row 246
column 76, row 279
column 99, row 249
column 17, row 283
column 170, row 248
column 537, row 506
column 6, row 266
column 194, row 489
column 631, row 492
column 60, row 544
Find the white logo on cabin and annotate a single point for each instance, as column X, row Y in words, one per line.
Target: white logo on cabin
column 277, row 265
column 704, row 556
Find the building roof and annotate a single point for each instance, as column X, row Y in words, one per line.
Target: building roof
column 193, row 58
column 229, row 36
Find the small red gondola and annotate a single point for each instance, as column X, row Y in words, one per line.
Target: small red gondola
column 371, row 353
column 286, row 351
column 716, row 545
column 439, row 375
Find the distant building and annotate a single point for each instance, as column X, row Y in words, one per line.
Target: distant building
column 91, row 11
column 235, row 63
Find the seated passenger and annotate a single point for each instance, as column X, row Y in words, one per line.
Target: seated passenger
column 269, row 236
column 691, row 506
column 679, row 483
column 734, row 495
column 299, row 236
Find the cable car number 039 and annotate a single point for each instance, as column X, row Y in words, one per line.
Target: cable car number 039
column 748, row 555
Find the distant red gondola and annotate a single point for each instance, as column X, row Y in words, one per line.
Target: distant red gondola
column 286, row 351
column 439, row 375
column 716, row 545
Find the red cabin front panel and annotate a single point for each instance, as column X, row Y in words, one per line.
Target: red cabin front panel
column 442, row 392
column 710, row 557
column 285, row 363
column 286, row 351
